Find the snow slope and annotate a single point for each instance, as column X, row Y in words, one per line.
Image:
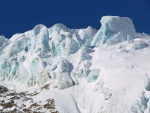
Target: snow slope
column 83, row 70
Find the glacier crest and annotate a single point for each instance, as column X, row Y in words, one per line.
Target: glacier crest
column 42, row 55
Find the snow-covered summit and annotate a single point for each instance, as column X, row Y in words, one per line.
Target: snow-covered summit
column 98, row 71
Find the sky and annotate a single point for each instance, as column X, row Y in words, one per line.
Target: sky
column 18, row 16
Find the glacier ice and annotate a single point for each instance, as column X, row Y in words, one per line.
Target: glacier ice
column 42, row 49
column 93, row 75
column 114, row 29
column 2, row 40
column 100, row 70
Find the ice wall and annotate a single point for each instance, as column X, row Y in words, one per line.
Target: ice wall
column 39, row 56
column 42, row 55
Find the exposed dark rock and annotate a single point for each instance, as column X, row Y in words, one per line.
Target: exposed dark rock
column 9, row 102
column 3, row 89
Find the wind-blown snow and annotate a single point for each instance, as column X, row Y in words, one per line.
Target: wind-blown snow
column 85, row 70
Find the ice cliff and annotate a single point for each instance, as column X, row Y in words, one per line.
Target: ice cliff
column 40, row 55
column 114, row 30
column 98, row 70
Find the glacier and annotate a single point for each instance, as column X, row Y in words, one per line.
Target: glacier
column 83, row 70
column 114, row 29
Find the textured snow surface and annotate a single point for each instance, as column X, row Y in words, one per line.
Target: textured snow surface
column 83, row 70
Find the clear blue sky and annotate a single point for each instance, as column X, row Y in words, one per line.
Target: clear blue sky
column 18, row 16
